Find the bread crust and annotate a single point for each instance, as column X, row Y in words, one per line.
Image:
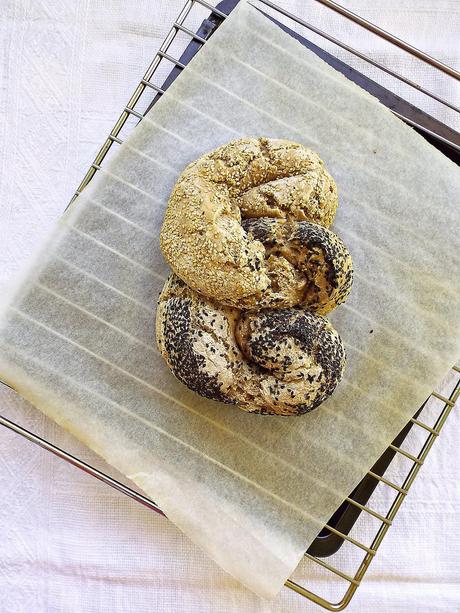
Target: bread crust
column 203, row 236
column 274, row 361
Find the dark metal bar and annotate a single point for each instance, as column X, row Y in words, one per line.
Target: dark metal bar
column 87, row 468
column 371, row 27
column 357, row 53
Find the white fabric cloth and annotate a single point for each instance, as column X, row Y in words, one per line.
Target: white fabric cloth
column 70, row 543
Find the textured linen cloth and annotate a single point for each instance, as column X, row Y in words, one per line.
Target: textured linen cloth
column 70, row 543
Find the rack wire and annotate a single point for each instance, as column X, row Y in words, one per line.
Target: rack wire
column 429, row 420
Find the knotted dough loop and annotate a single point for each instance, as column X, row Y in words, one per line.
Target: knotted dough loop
column 308, row 265
column 207, row 244
column 274, row 361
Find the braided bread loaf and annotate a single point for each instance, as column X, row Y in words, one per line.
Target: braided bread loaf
column 241, row 321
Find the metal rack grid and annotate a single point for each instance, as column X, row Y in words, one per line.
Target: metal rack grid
column 442, row 405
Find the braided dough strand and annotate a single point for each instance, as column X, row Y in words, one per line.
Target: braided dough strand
column 282, row 361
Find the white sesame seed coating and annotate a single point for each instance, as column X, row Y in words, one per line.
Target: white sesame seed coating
column 203, row 236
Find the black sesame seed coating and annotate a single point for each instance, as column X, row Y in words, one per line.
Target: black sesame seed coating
column 177, row 336
column 337, row 259
column 318, row 256
column 275, row 361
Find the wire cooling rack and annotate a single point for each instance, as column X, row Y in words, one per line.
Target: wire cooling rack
column 382, row 491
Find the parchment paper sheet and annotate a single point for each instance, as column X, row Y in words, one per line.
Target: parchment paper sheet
column 77, row 338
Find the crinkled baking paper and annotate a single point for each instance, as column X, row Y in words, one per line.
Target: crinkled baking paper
column 77, row 338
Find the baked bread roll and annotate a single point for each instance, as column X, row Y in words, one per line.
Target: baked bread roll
column 274, row 361
column 203, row 236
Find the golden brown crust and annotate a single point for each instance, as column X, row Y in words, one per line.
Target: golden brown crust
column 202, row 237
